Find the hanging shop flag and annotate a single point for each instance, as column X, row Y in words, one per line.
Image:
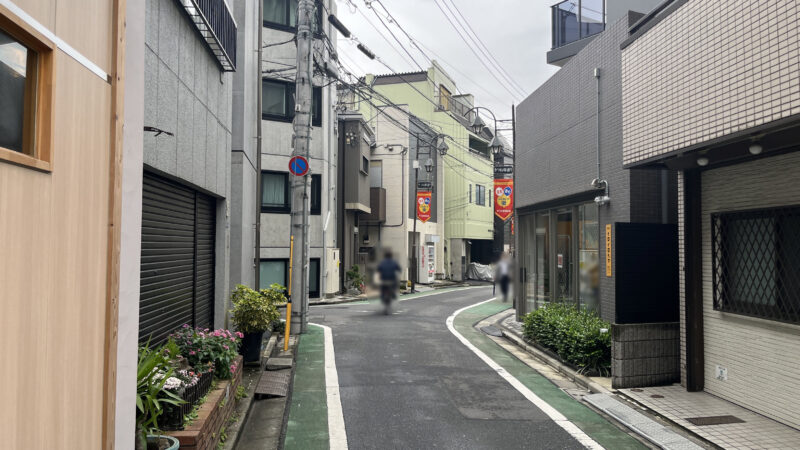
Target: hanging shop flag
column 424, row 205
column 503, row 198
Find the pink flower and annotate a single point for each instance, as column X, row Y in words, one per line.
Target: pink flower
column 225, row 347
column 186, row 325
column 192, row 352
column 239, row 334
column 233, row 339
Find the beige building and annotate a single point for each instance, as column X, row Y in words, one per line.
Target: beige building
column 61, row 124
column 712, row 89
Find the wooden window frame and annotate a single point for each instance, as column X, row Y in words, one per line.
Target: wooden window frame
column 40, row 154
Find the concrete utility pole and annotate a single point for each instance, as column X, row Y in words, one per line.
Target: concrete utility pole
column 300, row 185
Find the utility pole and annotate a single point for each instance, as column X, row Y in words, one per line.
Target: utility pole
column 414, row 262
column 300, row 184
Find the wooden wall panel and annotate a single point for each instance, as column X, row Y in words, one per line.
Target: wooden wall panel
column 53, row 274
column 86, row 25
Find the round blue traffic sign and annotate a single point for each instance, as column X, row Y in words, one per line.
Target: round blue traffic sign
column 507, row 191
column 298, row 166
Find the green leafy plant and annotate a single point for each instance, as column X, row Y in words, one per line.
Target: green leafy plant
column 279, row 326
column 208, row 350
column 574, row 335
column 154, row 370
column 240, row 393
column 355, row 278
column 254, row 312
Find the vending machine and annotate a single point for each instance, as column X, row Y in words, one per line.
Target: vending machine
column 426, row 263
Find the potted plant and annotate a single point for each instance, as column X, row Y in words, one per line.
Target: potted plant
column 153, row 374
column 355, row 280
column 253, row 313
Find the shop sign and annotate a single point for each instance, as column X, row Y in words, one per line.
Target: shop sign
column 424, row 200
column 503, row 198
column 608, row 250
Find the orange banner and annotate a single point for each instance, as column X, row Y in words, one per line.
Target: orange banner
column 424, row 200
column 503, row 198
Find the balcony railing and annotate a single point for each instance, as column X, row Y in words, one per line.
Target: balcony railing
column 215, row 23
column 574, row 20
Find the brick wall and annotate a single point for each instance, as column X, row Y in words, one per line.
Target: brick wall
column 644, row 354
column 709, row 69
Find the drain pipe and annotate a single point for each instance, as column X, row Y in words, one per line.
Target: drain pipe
column 257, row 256
column 598, row 182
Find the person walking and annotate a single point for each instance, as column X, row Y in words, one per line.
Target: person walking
column 503, row 274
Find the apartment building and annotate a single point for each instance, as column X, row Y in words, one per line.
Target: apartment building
column 278, row 62
column 406, row 167
column 719, row 101
column 589, row 232
column 432, row 97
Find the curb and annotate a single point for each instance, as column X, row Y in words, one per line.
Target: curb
column 562, row 368
column 244, row 410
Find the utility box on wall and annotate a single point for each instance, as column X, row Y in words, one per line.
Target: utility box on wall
column 332, row 263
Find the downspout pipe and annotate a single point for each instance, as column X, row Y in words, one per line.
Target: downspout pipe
column 259, row 52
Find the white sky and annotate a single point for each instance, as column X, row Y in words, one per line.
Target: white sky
column 517, row 32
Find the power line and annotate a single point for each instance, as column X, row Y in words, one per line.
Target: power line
column 487, row 51
column 392, row 33
column 489, row 69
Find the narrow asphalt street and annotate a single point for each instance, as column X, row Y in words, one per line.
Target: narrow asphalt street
column 407, row 382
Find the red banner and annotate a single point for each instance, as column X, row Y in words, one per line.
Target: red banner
column 503, row 198
column 424, row 200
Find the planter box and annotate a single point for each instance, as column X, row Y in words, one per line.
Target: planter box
column 204, row 433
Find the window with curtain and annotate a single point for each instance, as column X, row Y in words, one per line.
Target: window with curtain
column 274, row 192
column 480, row 195
column 277, row 101
column 272, row 271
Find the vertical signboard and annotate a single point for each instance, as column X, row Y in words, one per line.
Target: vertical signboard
column 424, row 199
column 608, row 250
column 503, row 198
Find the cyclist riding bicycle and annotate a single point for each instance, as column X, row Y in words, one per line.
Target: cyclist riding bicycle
column 388, row 270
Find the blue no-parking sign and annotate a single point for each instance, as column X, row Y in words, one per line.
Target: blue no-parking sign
column 298, row 166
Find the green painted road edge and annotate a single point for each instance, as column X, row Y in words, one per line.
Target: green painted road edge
column 593, row 424
column 307, row 427
column 405, row 297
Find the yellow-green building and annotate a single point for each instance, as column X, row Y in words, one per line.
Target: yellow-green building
column 432, row 97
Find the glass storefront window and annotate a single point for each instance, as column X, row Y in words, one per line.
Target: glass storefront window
column 542, row 268
column 565, row 271
column 589, row 257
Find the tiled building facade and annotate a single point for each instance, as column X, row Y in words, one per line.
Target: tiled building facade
column 711, row 88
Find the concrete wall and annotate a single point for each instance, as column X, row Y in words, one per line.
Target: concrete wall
column 277, row 148
column 760, row 355
column 188, row 95
column 130, row 230
column 245, row 118
column 736, row 76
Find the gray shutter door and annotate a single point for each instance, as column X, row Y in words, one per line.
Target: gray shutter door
column 177, row 256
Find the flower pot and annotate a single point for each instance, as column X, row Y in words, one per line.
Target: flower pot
column 162, row 443
column 251, row 347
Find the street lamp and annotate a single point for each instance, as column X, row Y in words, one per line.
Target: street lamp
column 496, row 145
column 442, row 146
column 429, row 165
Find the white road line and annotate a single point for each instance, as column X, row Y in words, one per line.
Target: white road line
column 401, row 299
column 551, row 412
column 336, row 431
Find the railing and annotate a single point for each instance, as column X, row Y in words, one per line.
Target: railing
column 574, row 20
column 215, row 23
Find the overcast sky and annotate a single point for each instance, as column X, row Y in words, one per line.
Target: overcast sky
column 516, row 32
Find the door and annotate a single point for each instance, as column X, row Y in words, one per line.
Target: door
column 177, row 265
column 565, row 272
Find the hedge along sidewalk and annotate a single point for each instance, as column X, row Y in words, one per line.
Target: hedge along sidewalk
column 594, row 425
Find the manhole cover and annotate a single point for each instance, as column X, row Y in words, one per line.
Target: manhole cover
column 714, row 420
column 656, row 396
column 274, row 383
column 492, row 331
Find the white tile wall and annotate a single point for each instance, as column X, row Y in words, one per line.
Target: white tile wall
column 711, row 68
column 762, row 356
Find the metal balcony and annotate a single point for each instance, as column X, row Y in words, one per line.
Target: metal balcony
column 216, row 25
column 574, row 21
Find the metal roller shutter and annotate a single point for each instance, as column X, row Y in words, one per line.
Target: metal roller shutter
column 177, row 267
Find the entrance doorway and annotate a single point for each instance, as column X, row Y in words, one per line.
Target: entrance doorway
column 565, row 272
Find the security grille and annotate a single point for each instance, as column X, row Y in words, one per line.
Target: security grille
column 756, row 263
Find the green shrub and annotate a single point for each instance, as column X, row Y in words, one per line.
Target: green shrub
column 355, row 279
column 573, row 334
column 254, row 312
